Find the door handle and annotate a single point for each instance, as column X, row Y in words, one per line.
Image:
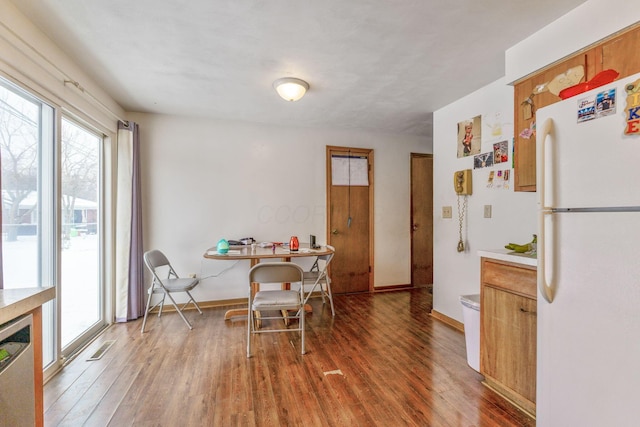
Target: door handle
column 546, row 290
column 415, row 227
column 334, row 231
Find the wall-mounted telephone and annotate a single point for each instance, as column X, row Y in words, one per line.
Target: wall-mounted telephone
column 462, row 187
column 462, row 182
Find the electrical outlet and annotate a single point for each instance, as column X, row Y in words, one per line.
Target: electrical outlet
column 487, row 211
column 446, row 212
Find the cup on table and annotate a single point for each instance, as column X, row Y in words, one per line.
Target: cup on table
column 253, row 247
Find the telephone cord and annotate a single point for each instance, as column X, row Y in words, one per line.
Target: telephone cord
column 461, row 213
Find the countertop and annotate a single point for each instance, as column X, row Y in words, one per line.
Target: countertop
column 16, row 302
column 510, row 256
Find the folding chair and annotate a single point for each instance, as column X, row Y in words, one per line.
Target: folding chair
column 318, row 275
column 275, row 300
column 155, row 261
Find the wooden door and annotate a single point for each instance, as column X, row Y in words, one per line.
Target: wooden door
column 350, row 218
column 421, row 219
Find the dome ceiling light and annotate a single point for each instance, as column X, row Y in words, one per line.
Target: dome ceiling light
column 290, row 88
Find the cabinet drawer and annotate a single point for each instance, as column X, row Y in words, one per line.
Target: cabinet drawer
column 515, row 278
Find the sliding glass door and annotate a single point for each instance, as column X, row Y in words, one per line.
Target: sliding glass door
column 20, row 121
column 51, row 211
column 80, row 282
column 28, row 214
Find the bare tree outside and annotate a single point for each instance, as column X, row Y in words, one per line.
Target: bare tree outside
column 19, row 156
column 79, row 161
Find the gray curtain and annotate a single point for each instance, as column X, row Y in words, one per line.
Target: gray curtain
column 129, row 264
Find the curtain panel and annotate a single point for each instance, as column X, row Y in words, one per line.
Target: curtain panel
column 129, row 275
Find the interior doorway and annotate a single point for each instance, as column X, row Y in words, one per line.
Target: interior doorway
column 350, row 218
column 421, row 219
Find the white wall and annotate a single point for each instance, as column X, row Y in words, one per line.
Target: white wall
column 513, row 213
column 513, row 219
column 588, row 23
column 205, row 179
column 30, row 59
column 199, row 162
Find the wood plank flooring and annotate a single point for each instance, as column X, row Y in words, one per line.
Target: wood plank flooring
column 382, row 361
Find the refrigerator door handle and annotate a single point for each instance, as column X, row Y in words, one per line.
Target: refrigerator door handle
column 545, row 289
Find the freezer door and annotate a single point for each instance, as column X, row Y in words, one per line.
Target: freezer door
column 591, row 163
column 588, row 369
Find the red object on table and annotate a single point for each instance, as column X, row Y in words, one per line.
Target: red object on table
column 294, row 244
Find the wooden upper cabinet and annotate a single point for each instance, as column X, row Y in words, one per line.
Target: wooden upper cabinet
column 618, row 53
column 525, row 148
column 621, row 53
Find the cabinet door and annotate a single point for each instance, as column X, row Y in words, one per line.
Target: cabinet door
column 509, row 340
column 620, row 53
column 525, row 148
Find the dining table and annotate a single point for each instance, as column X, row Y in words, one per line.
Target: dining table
column 273, row 252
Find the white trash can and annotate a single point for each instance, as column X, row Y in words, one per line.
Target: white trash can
column 471, row 316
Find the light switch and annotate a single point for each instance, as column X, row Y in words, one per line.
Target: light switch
column 446, row 212
column 487, row 211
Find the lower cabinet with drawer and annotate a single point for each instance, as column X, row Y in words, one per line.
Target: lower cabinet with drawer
column 508, row 331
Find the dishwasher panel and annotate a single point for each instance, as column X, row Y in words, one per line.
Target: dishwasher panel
column 17, row 390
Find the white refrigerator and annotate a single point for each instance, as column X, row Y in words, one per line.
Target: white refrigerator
column 588, row 343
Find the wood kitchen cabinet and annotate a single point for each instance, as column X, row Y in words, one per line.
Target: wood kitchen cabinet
column 617, row 52
column 525, row 148
column 620, row 53
column 508, row 325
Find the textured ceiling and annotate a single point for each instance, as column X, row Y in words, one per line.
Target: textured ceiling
column 378, row 65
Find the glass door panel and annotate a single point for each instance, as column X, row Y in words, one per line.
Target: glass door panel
column 28, row 207
column 81, row 294
column 51, row 213
column 19, row 139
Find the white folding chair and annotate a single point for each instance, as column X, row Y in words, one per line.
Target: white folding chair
column 155, row 261
column 318, row 276
column 275, row 300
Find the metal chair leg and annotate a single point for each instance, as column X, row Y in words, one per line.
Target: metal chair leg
column 179, row 311
column 146, row 311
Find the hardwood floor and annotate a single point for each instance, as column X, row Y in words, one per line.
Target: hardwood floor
column 382, row 361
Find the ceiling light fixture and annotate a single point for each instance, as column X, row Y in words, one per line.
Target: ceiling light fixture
column 290, row 88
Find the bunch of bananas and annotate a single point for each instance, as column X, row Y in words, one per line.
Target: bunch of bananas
column 527, row 247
